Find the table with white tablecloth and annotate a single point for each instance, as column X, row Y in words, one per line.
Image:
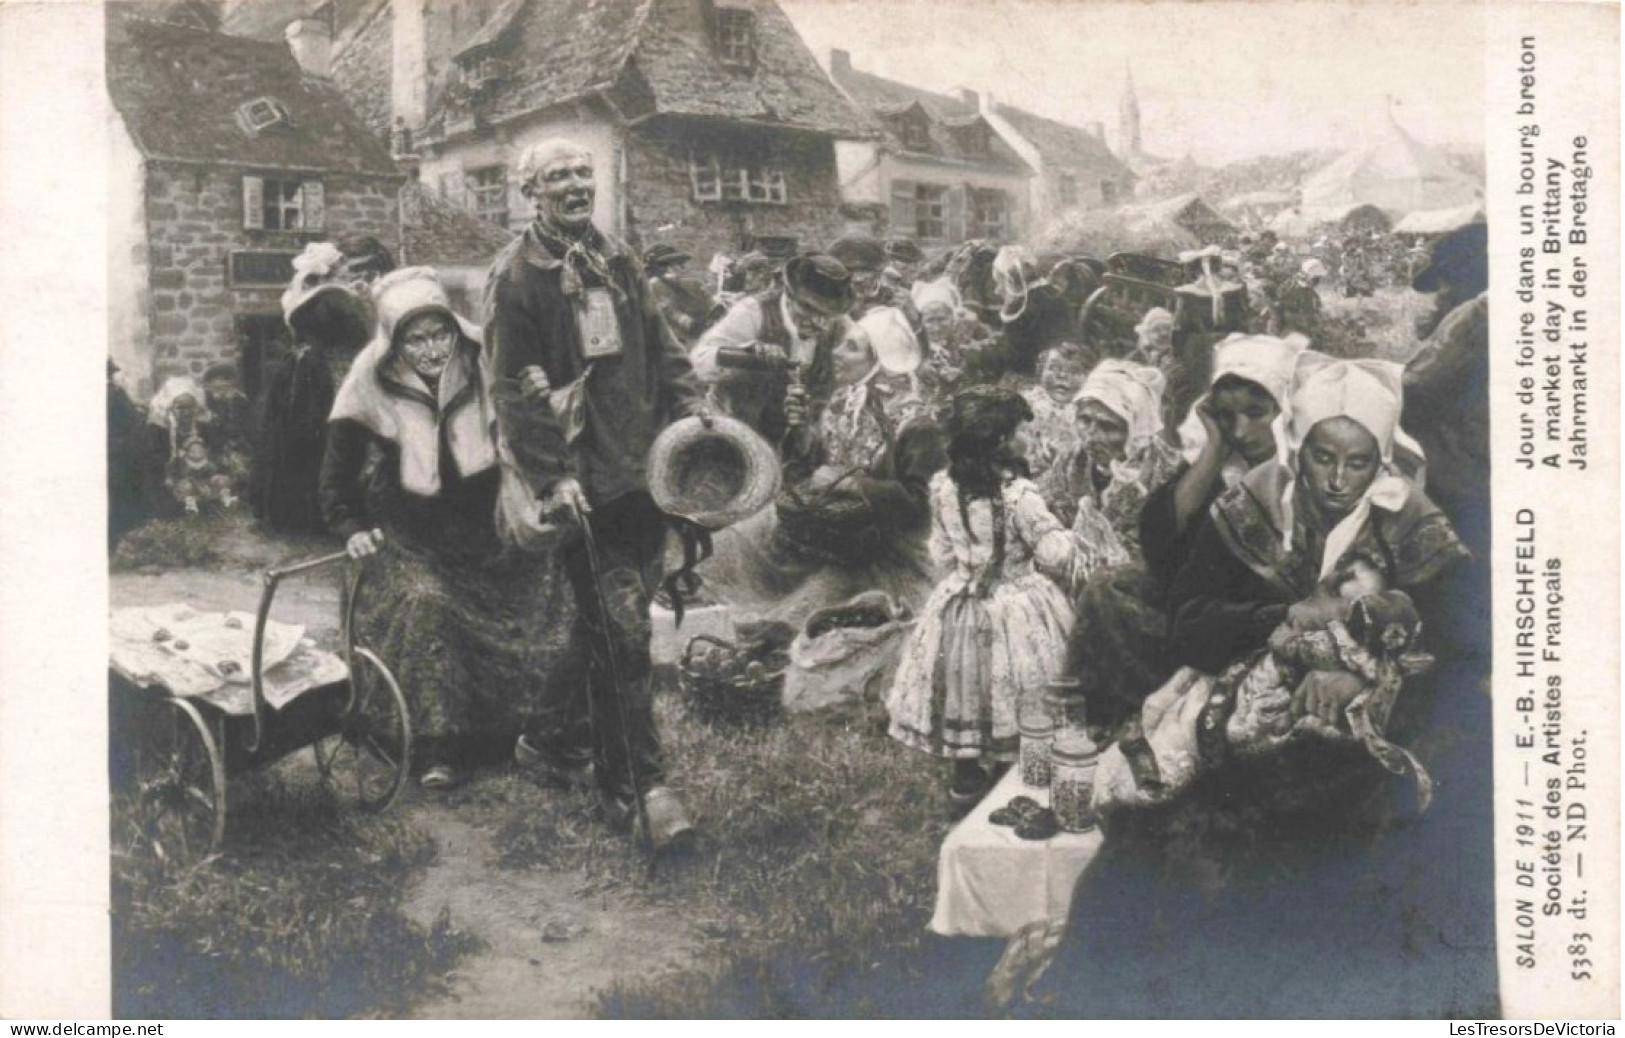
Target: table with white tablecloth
column 992, row 883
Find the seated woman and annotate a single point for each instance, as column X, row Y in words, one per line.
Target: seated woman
column 1119, row 650
column 1099, row 484
column 175, row 417
column 411, row 476
column 951, row 333
column 1154, row 346
column 1285, row 526
column 858, row 523
column 1283, row 899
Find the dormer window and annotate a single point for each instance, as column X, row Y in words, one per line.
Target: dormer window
column 736, row 36
column 261, row 114
column 915, row 130
column 483, row 73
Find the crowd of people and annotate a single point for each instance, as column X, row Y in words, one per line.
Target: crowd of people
column 1142, row 506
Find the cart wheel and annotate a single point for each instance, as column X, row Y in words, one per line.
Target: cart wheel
column 368, row 759
column 176, row 804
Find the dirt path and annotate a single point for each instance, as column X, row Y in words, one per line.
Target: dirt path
column 548, row 945
column 549, row 941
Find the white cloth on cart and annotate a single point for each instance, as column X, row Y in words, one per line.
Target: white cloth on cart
column 992, row 883
column 192, row 653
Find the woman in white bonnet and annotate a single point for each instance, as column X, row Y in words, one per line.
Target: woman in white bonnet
column 410, row 478
column 1336, row 497
column 1119, row 650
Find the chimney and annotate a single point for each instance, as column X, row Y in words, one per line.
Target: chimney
column 840, row 62
column 970, row 99
column 409, row 64
column 1097, row 130
column 311, row 40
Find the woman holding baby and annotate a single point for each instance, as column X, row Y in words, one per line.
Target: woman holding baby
column 1268, row 862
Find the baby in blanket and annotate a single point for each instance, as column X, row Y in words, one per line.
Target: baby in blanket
column 1196, row 722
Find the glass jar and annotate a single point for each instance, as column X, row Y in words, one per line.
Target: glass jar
column 1064, row 702
column 1072, row 781
column 1035, row 750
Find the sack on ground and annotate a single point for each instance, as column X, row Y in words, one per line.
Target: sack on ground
column 846, row 652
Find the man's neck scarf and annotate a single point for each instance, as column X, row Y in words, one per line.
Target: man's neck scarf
column 578, row 252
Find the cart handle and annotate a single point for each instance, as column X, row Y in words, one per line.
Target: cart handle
column 306, row 566
column 271, row 579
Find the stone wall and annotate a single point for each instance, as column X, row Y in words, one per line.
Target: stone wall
column 661, row 193
column 194, row 218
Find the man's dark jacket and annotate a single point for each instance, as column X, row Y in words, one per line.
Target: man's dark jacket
column 629, row 399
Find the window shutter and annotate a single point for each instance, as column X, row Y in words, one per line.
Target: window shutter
column 956, row 213
column 315, row 205
column 254, row 203
column 902, row 208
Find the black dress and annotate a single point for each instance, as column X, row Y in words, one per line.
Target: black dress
column 476, row 633
column 293, row 413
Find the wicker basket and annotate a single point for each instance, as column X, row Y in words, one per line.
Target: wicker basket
column 717, row 700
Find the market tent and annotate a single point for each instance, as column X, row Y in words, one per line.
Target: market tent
column 1394, row 172
column 1440, row 221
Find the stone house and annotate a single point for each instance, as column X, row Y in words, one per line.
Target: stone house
column 1075, row 168
column 227, row 157
column 712, row 126
column 938, row 171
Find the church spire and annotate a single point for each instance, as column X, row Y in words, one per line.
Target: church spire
column 1128, row 118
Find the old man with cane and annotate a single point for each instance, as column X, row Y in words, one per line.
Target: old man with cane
column 585, row 375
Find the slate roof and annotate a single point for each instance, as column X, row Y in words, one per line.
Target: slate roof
column 438, row 234
column 887, row 98
column 1066, row 147
column 656, row 58
column 178, row 90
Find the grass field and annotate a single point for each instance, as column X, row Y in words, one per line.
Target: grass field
column 298, row 917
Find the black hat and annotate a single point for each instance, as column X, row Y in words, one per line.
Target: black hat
column 1461, row 257
column 664, row 255
column 859, row 253
column 903, row 250
column 819, row 281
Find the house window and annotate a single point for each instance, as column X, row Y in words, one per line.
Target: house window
column 1109, row 193
column 718, row 180
column 1067, row 188
column 283, row 204
column 930, row 212
column 736, row 37
column 488, row 194
column 989, row 214
column 916, row 133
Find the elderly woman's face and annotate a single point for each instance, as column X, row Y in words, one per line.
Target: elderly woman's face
column 1337, row 464
column 853, row 358
column 1103, row 431
column 938, row 319
column 1245, row 412
column 1157, row 338
column 184, row 407
column 564, row 189
column 427, row 342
